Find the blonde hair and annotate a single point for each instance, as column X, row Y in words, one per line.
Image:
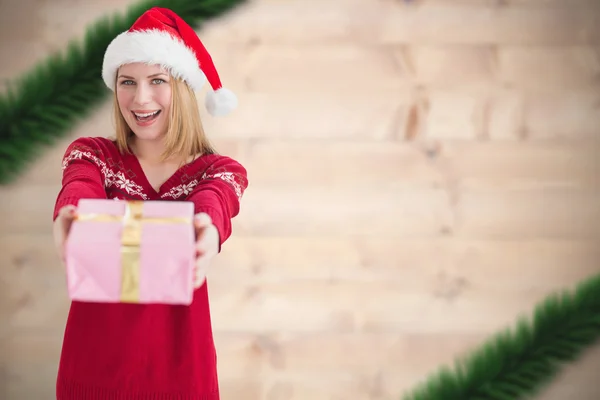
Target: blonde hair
column 185, row 134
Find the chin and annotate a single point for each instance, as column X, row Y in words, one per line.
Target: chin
column 155, row 131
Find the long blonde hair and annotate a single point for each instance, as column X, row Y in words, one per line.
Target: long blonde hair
column 185, row 134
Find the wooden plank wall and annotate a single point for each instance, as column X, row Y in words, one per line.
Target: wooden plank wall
column 421, row 173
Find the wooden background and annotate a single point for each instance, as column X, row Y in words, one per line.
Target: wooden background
column 421, row 173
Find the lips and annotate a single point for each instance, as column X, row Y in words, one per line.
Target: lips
column 146, row 116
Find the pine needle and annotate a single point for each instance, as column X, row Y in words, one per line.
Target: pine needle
column 44, row 104
column 516, row 364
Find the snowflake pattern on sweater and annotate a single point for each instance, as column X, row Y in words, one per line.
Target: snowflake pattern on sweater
column 117, row 178
column 111, row 177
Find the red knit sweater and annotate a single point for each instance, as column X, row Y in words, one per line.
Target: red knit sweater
column 133, row 351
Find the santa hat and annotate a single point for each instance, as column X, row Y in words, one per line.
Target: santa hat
column 161, row 37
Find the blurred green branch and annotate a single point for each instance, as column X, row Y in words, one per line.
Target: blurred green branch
column 514, row 365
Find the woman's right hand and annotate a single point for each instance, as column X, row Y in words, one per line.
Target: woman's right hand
column 62, row 225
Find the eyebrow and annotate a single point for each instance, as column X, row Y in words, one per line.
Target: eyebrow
column 149, row 76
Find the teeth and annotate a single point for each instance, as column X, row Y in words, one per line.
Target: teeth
column 145, row 115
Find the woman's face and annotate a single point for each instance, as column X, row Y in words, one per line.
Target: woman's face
column 144, row 96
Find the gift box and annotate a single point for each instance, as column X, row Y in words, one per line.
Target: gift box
column 131, row 252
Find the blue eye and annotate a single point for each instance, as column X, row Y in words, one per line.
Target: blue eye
column 155, row 81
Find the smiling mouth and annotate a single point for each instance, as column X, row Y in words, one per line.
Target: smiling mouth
column 145, row 117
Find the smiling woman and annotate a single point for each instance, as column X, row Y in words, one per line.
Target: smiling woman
column 150, row 351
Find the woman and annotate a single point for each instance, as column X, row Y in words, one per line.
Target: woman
column 134, row 351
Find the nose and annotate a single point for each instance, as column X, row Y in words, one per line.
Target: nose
column 143, row 94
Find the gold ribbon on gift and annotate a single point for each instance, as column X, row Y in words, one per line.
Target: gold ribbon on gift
column 130, row 243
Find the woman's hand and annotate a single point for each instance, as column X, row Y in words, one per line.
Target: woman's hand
column 61, row 228
column 207, row 246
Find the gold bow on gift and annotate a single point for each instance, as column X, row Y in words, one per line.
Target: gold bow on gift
column 130, row 244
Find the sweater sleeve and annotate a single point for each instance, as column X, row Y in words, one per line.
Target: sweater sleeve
column 219, row 192
column 82, row 174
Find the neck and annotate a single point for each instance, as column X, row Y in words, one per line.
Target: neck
column 148, row 150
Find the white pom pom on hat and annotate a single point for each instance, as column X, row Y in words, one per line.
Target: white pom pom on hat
column 160, row 36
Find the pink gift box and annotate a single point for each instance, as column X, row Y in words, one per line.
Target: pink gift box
column 103, row 267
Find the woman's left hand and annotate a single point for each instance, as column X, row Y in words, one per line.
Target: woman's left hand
column 207, row 246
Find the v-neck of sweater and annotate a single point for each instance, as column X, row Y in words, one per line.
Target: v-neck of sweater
column 168, row 184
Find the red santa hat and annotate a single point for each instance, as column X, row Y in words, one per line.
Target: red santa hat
column 161, row 37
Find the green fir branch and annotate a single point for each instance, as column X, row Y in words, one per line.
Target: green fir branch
column 517, row 364
column 45, row 103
